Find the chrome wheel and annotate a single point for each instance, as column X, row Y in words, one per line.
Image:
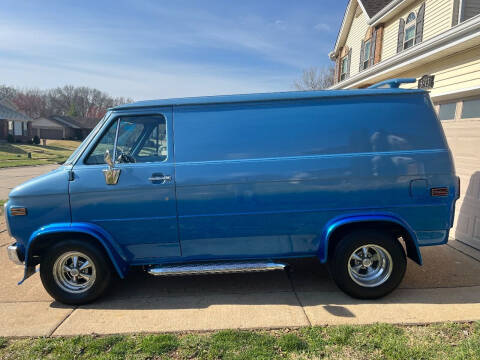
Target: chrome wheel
column 74, row 272
column 370, row 265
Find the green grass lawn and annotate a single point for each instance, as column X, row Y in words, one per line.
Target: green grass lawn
column 441, row 341
column 56, row 152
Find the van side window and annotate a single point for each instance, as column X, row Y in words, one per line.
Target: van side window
column 140, row 139
column 155, row 145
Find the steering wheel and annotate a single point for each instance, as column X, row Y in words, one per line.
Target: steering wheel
column 126, row 158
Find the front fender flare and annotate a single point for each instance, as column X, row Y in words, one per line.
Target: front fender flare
column 114, row 251
column 335, row 223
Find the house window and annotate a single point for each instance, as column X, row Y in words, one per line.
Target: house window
column 409, row 38
column 447, row 111
column 10, row 127
column 471, row 109
column 344, row 68
column 367, row 47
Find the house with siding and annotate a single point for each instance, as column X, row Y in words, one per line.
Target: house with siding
column 13, row 122
column 61, row 127
column 438, row 43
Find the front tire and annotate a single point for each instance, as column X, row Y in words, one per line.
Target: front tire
column 368, row 264
column 75, row 272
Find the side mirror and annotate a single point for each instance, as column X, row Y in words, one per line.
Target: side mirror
column 111, row 174
column 108, row 159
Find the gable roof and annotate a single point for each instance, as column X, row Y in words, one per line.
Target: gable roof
column 43, row 121
column 375, row 11
column 373, row 7
column 8, row 111
column 66, row 121
column 74, row 123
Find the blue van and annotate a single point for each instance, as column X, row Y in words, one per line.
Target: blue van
column 359, row 179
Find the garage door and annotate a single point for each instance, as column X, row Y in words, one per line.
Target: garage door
column 464, row 139
column 51, row 134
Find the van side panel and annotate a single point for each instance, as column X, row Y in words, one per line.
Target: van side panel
column 264, row 179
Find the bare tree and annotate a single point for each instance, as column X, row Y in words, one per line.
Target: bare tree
column 315, row 78
column 7, row 92
column 31, row 102
column 79, row 102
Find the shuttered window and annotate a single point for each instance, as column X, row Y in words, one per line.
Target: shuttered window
column 419, row 24
column 410, row 30
column 344, row 68
column 368, row 50
column 409, row 37
column 401, row 35
column 365, row 54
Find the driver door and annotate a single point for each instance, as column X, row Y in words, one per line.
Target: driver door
column 139, row 211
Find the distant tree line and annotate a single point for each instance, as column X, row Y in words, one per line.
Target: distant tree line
column 80, row 102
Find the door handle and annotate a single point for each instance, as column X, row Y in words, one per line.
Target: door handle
column 160, row 178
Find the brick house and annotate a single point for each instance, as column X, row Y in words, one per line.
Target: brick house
column 61, row 127
column 13, row 122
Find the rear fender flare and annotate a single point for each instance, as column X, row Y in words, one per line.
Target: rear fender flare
column 336, row 223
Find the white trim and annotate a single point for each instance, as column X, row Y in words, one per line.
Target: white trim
column 348, row 14
column 363, row 9
column 385, row 11
column 388, row 11
column 457, row 35
column 450, row 95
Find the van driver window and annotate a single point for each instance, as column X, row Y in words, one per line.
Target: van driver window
column 140, row 139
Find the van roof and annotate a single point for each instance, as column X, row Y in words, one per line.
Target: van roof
column 260, row 97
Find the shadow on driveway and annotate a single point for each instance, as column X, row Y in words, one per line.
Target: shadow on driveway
column 444, row 267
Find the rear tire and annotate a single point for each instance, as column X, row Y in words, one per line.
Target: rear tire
column 368, row 264
column 75, row 272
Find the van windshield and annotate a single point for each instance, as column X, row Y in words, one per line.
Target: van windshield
column 87, row 140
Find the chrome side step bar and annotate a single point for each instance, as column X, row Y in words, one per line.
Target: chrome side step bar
column 226, row 267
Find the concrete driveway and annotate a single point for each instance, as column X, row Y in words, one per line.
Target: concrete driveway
column 446, row 288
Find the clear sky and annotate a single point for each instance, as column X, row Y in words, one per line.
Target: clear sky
column 148, row 49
